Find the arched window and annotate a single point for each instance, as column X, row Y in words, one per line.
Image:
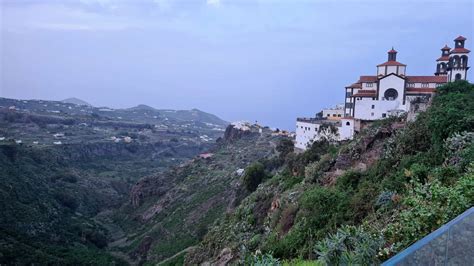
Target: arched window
column 457, row 61
column 443, row 67
column 464, row 61
column 348, row 123
column 457, row 77
column 391, row 94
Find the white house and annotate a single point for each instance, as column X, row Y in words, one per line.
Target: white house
column 387, row 93
column 309, row 130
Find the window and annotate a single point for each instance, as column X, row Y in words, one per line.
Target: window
column 373, row 106
column 372, row 114
column 384, row 115
column 438, row 85
column 370, row 84
column 329, row 115
column 339, row 115
column 391, row 94
column 425, row 85
column 348, row 94
column 373, row 98
column 333, row 115
column 411, row 85
column 348, row 123
column 457, row 77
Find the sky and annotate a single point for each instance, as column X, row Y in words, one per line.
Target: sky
column 257, row 60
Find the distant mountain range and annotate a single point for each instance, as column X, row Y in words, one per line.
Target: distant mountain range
column 140, row 113
column 76, row 101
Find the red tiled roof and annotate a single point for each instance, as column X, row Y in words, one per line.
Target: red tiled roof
column 392, row 63
column 460, row 50
column 364, row 95
column 367, row 79
column 443, row 58
column 421, row 90
column 446, row 47
column 431, row 79
column 460, row 38
column 354, row 85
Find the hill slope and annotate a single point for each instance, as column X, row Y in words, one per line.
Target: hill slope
column 64, row 168
column 76, row 101
column 170, row 212
column 361, row 201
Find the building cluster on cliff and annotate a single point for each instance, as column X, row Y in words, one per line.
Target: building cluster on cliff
column 391, row 92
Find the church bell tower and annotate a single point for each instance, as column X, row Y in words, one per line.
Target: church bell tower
column 457, row 64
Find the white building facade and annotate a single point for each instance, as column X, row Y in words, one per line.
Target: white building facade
column 388, row 93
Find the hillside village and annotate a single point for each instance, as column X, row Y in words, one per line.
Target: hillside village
column 391, row 92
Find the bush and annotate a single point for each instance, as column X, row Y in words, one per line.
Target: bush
column 262, row 260
column 284, row 147
column 350, row 246
column 254, row 174
column 428, row 206
column 65, row 199
column 97, row 238
column 348, row 181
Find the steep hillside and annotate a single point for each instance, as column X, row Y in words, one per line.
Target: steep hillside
column 64, row 168
column 357, row 202
column 170, row 212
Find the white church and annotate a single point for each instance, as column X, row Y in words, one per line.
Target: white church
column 388, row 93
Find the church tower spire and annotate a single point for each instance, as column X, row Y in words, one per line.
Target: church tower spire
column 442, row 65
column 392, row 55
column 457, row 65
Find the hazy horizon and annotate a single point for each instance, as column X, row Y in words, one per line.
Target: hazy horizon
column 270, row 61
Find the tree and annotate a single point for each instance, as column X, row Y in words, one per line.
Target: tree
column 254, row 174
column 284, row 147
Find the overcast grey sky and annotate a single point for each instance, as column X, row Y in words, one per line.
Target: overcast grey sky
column 262, row 60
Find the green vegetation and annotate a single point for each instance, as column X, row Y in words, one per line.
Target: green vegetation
column 362, row 201
column 253, row 176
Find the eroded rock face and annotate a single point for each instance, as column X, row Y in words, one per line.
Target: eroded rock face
column 232, row 133
column 224, row 257
column 147, row 187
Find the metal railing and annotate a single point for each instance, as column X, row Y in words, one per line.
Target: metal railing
column 451, row 244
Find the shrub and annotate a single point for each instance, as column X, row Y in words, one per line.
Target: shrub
column 254, row 174
column 428, row 206
column 284, row 147
column 350, row 245
column 66, row 200
column 348, row 181
column 384, row 200
column 97, row 238
column 262, row 260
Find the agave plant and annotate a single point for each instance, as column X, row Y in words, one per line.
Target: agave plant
column 350, row 245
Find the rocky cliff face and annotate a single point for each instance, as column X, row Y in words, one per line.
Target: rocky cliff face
column 232, row 133
column 175, row 208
